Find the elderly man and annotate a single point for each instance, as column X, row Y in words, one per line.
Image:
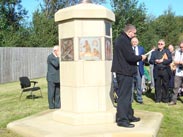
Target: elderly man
column 53, row 78
column 137, row 84
column 161, row 59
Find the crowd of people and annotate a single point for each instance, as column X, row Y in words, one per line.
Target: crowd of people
column 165, row 73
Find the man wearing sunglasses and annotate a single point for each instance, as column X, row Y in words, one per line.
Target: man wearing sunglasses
column 161, row 59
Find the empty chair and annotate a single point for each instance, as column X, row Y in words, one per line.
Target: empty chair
column 28, row 86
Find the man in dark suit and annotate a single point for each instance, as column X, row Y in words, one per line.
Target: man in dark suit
column 137, row 84
column 124, row 65
column 161, row 59
column 53, row 78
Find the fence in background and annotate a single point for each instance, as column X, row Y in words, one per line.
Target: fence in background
column 22, row 61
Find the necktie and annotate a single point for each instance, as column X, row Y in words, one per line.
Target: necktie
column 134, row 50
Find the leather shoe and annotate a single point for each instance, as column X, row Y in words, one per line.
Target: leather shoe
column 135, row 119
column 127, row 125
column 171, row 103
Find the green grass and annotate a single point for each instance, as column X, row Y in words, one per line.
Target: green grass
column 11, row 108
column 173, row 115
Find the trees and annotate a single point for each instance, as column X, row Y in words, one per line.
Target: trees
column 11, row 15
column 41, row 33
column 44, row 30
column 167, row 27
column 149, row 28
column 128, row 12
column 179, row 20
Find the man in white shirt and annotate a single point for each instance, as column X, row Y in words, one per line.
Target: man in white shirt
column 178, row 61
column 137, row 78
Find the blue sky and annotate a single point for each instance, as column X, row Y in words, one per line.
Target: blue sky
column 157, row 7
column 154, row 7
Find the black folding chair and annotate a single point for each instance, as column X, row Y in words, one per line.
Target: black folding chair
column 27, row 86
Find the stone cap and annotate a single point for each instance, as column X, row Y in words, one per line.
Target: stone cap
column 84, row 10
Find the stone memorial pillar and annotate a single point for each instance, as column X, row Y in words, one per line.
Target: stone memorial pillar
column 85, row 40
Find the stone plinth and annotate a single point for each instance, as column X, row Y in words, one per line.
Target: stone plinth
column 42, row 125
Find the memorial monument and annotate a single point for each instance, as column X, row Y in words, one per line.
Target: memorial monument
column 85, row 39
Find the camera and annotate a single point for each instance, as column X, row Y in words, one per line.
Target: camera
column 180, row 66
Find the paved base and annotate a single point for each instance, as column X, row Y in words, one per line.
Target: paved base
column 42, row 125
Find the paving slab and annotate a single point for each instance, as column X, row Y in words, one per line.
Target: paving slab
column 43, row 125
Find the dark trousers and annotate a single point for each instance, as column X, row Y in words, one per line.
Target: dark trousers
column 171, row 82
column 124, row 107
column 54, row 95
column 162, row 86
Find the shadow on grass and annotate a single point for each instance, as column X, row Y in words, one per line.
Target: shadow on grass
column 150, row 94
column 179, row 98
column 33, row 97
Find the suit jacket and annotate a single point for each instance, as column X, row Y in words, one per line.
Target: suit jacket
column 141, row 63
column 124, row 59
column 53, row 73
column 166, row 62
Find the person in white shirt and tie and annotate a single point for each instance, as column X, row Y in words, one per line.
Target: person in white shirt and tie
column 137, row 80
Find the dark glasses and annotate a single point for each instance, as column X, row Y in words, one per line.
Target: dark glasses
column 160, row 44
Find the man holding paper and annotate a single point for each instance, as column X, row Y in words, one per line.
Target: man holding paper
column 124, row 65
column 161, row 59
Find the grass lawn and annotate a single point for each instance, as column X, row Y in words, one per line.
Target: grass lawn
column 12, row 109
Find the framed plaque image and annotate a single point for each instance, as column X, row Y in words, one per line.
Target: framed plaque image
column 67, row 49
column 107, row 28
column 89, row 48
column 108, row 49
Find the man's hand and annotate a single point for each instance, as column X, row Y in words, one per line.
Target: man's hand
column 58, row 53
column 158, row 61
column 143, row 57
column 181, row 62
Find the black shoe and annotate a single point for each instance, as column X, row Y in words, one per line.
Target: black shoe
column 127, row 125
column 135, row 119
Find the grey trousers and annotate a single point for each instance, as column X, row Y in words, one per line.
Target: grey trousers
column 177, row 84
column 54, row 95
